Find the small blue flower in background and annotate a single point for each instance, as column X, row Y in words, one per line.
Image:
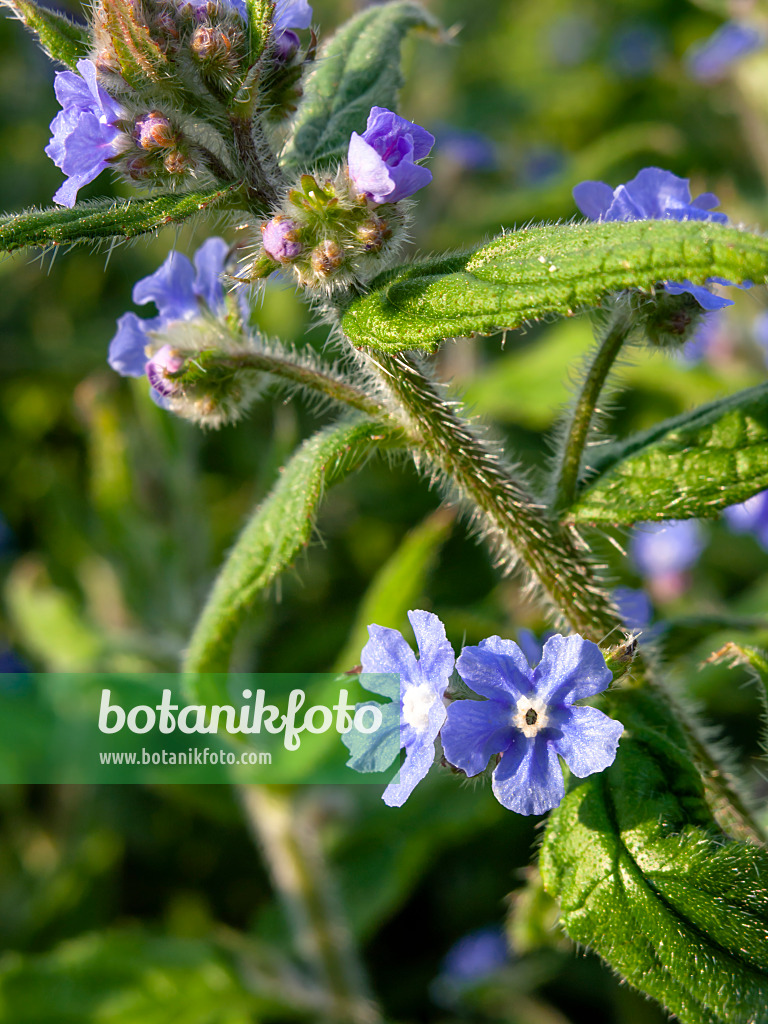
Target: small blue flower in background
column 472, row 151
column 663, row 551
column 751, row 516
column 760, row 332
column 654, row 194
column 382, row 161
column 181, row 292
column 713, row 58
column 636, row 50
column 529, row 718
column 84, row 133
column 475, row 957
column 417, row 711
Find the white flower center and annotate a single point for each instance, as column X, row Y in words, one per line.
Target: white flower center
column 417, row 702
column 530, row 716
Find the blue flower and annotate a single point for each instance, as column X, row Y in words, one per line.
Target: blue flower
column 180, row 292
column 84, row 133
column 474, row 958
column 292, row 14
column 751, row 516
column 634, row 606
column 417, row 709
column 382, row 161
column 654, row 194
column 671, row 546
column 529, row 718
column 712, row 59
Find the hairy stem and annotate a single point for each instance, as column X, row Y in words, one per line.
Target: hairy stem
column 286, row 831
column 519, row 526
column 265, row 180
column 316, row 378
column 615, row 334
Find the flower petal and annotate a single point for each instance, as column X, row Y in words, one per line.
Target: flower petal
column 369, row 173
column 387, row 652
column 474, row 731
column 171, row 288
column 570, row 668
column 419, row 759
column 529, row 779
column 126, row 350
column 496, row 669
column 209, row 264
column 585, row 737
column 436, row 657
column 593, row 198
column 374, row 751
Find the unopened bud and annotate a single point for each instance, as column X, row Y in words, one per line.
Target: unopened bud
column 154, row 131
column 281, row 240
column 138, row 168
column 176, row 163
column 164, row 362
column 373, row 234
column 326, row 258
column 210, row 42
column 286, row 44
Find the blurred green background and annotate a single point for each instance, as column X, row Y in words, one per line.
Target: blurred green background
column 128, row 904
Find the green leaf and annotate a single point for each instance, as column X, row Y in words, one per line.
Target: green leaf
column 103, row 219
column 357, row 69
column 693, row 465
column 279, row 529
column 646, row 879
column 543, row 270
column 124, row 977
column 398, row 584
column 63, row 40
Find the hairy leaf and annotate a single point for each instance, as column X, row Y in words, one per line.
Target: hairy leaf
column 544, row 270
column 63, row 40
column 646, row 879
column 693, row 465
column 103, row 219
column 357, row 69
column 278, row 530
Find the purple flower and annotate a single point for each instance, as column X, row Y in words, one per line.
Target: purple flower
column 654, row 194
column 469, row 150
column 475, row 956
column 180, row 292
column 419, row 707
column 382, row 161
column 712, row 58
column 292, row 14
column 164, row 362
column 280, row 238
column 751, row 516
column 529, row 718
column 84, row 135
column 669, row 546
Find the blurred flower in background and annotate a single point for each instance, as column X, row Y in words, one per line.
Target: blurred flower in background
column 751, row 516
column 474, row 958
column 712, row 59
column 663, row 553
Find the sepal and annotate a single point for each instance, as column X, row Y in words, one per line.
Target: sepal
column 63, row 40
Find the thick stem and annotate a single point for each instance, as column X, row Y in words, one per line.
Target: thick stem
column 288, row 836
column 520, row 527
column 616, row 333
column 264, row 178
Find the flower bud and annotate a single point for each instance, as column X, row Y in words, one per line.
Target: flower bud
column 327, row 258
column 281, row 239
column 154, row 131
column 373, row 233
column 209, row 42
column 176, row 163
column 286, row 45
column 160, row 368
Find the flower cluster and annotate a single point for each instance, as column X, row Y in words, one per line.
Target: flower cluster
column 189, row 301
column 350, row 225
column 136, row 104
column 654, row 194
column 525, row 721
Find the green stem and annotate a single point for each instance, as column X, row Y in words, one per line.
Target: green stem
column 317, row 379
column 287, row 834
column 616, row 333
column 519, row 526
